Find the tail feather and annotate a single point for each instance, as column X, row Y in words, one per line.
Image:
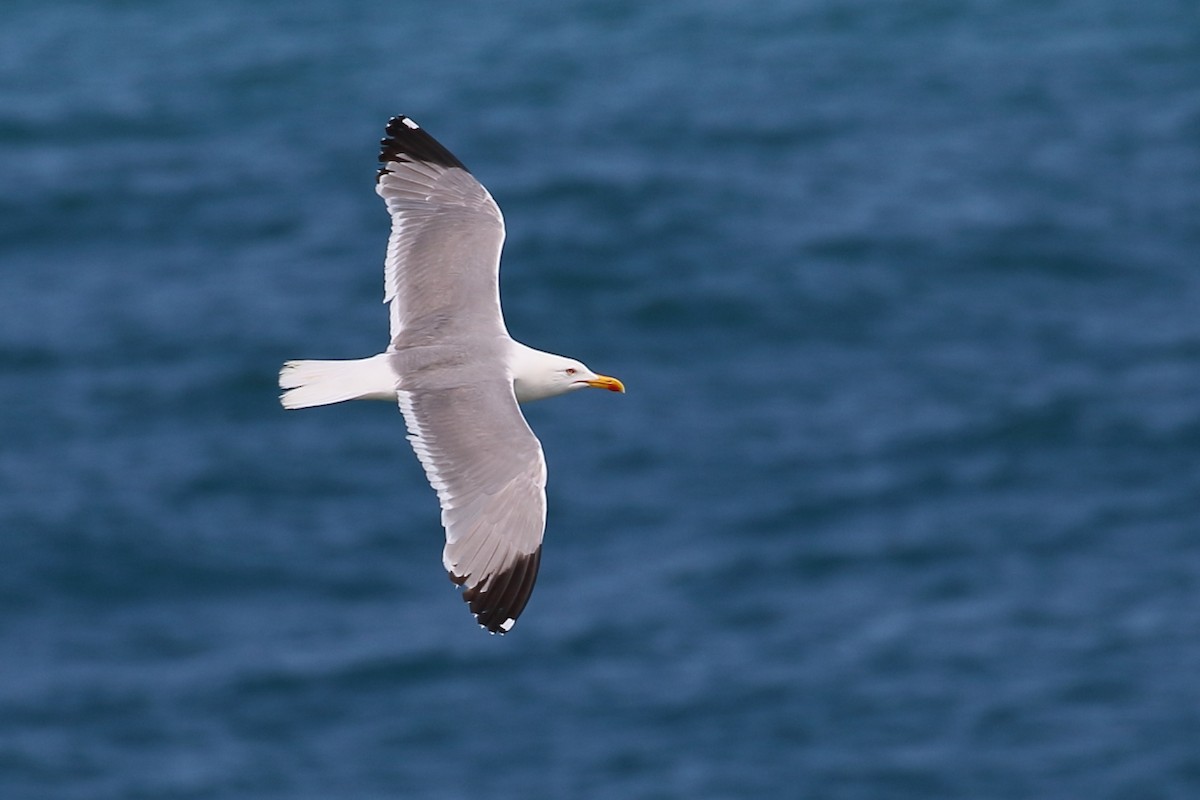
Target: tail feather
column 320, row 383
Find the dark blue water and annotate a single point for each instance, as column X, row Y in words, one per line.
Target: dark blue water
column 904, row 498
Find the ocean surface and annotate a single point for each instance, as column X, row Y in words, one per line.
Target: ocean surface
column 903, row 500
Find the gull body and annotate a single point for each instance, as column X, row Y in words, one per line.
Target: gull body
column 455, row 373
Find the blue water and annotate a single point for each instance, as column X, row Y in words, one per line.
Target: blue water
column 904, row 498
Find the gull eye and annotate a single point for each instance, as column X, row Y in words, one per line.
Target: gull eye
column 570, row 370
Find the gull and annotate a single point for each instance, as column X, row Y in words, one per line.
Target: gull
column 455, row 372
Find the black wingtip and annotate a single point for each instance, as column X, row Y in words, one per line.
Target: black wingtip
column 497, row 602
column 407, row 142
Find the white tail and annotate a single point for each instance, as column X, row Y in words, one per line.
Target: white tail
column 319, row 383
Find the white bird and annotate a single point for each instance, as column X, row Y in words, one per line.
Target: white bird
column 456, row 373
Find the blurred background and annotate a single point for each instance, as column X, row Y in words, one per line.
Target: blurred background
column 904, row 498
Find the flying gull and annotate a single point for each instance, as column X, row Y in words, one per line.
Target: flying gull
column 456, row 373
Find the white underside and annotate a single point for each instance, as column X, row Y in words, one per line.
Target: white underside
column 536, row 375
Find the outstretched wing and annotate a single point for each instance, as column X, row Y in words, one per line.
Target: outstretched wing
column 443, row 257
column 490, row 475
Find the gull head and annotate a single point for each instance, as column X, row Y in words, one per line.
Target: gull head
column 538, row 375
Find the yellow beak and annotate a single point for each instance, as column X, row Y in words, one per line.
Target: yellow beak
column 605, row 382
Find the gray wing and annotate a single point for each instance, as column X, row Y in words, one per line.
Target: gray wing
column 443, row 257
column 490, row 475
